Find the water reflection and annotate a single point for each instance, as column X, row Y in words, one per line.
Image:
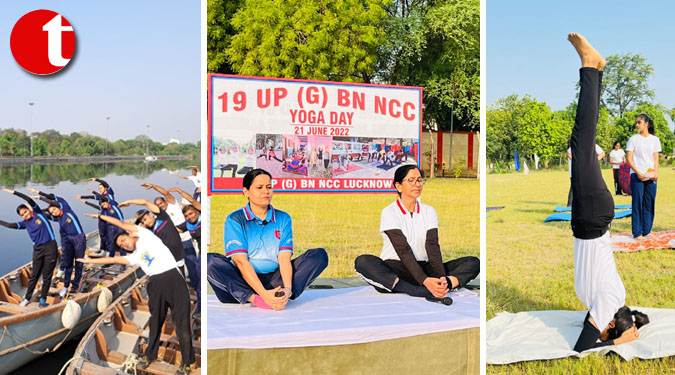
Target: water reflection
column 17, row 176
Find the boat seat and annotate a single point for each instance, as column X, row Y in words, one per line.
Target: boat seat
column 95, row 280
column 9, row 290
column 24, row 276
column 122, row 323
column 103, row 353
column 6, row 294
column 137, row 301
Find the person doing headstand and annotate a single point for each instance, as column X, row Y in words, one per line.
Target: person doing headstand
column 596, row 280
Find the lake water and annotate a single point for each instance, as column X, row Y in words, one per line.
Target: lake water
column 67, row 181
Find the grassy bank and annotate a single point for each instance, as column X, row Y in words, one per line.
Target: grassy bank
column 530, row 263
column 347, row 225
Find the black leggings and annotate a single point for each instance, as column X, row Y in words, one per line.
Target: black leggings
column 617, row 180
column 593, row 205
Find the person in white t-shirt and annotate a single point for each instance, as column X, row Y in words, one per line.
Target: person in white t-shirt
column 616, row 157
column 643, row 156
column 411, row 260
column 601, row 155
column 169, row 204
column 166, row 286
column 196, row 179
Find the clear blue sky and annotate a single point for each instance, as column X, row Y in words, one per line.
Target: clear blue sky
column 136, row 61
column 528, row 53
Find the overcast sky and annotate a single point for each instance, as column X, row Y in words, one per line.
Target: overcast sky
column 135, row 61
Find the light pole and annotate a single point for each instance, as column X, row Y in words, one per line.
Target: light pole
column 107, row 122
column 30, row 126
column 147, row 141
column 178, row 143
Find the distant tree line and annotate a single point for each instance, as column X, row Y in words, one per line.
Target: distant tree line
column 531, row 127
column 16, row 143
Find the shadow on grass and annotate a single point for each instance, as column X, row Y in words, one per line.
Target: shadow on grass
column 510, row 299
column 552, row 204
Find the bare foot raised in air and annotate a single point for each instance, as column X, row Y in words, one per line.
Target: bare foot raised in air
column 590, row 58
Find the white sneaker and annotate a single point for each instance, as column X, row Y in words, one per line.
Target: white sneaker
column 24, row 303
column 63, row 292
column 59, row 273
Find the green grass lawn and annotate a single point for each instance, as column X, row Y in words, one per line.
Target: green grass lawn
column 347, row 225
column 530, row 264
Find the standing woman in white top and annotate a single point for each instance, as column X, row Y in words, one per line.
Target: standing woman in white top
column 411, row 260
column 616, row 157
column 643, row 156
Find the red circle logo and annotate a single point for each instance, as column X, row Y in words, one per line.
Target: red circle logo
column 42, row 42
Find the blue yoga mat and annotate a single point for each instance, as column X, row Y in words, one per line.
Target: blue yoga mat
column 567, row 209
column 568, row 216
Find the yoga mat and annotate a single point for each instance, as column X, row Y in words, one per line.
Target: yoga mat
column 624, row 242
column 565, row 216
column 488, row 209
column 567, row 209
column 540, row 335
column 337, row 317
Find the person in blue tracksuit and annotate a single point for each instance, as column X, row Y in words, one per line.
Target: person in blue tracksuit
column 73, row 239
column 104, row 191
column 45, row 250
column 107, row 231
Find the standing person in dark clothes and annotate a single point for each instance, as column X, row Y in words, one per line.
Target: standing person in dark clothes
column 166, row 287
column 73, row 239
column 169, row 204
column 192, row 225
column 106, row 232
column 411, row 260
column 45, row 250
column 257, row 265
column 596, row 280
column 159, row 223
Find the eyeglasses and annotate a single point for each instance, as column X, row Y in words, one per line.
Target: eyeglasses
column 418, row 181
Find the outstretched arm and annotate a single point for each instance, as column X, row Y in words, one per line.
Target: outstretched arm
column 169, row 198
column 102, row 182
column 23, row 196
column 50, row 196
column 90, row 204
column 188, row 197
column 10, row 225
column 116, row 222
column 141, row 202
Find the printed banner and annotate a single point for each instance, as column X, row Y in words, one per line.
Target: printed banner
column 311, row 136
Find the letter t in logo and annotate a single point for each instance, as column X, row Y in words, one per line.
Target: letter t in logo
column 54, row 30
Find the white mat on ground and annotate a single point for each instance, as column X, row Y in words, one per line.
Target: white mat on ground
column 537, row 335
column 337, row 317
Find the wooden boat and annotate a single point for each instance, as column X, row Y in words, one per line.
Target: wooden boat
column 27, row 332
column 116, row 339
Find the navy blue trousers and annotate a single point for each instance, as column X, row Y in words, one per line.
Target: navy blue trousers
column 230, row 286
column 72, row 247
column 192, row 262
column 644, row 195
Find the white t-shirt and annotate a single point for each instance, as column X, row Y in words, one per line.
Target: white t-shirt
column 596, row 280
column 643, row 151
column 151, row 254
column 617, row 156
column 175, row 212
column 598, row 151
column 415, row 227
column 196, row 179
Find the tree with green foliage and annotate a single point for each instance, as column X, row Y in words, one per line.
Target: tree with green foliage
column 625, row 83
column 219, row 33
column 436, row 45
column 333, row 40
